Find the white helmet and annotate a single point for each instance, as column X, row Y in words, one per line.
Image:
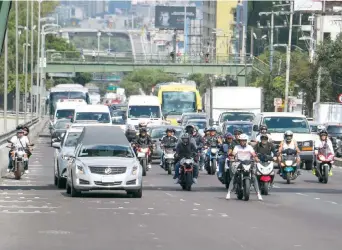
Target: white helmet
column 320, row 128
column 243, row 137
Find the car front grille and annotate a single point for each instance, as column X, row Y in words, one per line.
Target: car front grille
column 99, row 183
column 105, row 170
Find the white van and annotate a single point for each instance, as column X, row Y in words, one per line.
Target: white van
column 279, row 122
column 94, row 114
column 66, row 110
column 144, row 108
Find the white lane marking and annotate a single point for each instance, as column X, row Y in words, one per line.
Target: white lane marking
column 302, row 194
column 32, row 212
column 195, row 209
column 297, row 245
column 131, row 213
column 150, row 208
column 196, row 204
column 209, row 209
column 171, row 195
column 28, row 207
column 276, row 186
column 223, row 215
column 317, row 198
column 145, row 213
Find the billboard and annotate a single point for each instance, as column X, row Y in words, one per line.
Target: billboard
column 172, row 17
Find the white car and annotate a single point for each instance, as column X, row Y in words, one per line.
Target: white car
column 63, row 148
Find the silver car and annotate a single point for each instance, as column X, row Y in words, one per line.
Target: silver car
column 66, row 146
column 103, row 160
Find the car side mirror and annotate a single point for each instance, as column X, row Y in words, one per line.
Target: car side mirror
column 56, row 145
column 160, row 139
column 255, row 128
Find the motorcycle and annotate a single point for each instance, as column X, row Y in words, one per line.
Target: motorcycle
column 186, row 173
column 289, row 165
column 169, row 159
column 19, row 160
column 211, row 159
column 143, row 154
column 324, row 163
column 243, row 178
column 265, row 173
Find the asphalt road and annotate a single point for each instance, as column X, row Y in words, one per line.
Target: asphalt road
column 34, row 215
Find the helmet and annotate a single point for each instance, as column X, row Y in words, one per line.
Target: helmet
column 143, row 130
column 238, row 130
column 320, row 128
column 169, row 130
column 228, row 135
column 243, row 137
column 185, row 138
column 211, row 129
column 263, row 127
column 19, row 127
column 142, row 125
column 20, row 131
column 189, row 129
column 323, row 132
column 196, row 128
column 264, row 137
column 288, row 135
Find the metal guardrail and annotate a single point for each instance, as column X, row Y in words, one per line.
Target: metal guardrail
column 8, row 135
column 67, row 57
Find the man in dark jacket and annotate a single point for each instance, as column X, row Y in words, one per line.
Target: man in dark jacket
column 143, row 139
column 167, row 141
column 185, row 149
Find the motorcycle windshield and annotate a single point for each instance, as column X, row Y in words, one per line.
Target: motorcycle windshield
column 289, row 157
column 246, row 162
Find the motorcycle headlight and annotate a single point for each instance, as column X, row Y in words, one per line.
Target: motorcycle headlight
column 169, row 156
column 134, row 170
column 246, row 167
column 214, row 150
column 288, row 163
column 80, row 169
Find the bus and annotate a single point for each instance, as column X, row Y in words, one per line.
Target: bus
column 67, row 92
column 178, row 99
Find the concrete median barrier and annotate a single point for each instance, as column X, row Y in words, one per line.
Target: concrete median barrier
column 34, row 133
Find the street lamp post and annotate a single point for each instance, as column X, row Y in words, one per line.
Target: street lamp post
column 25, row 45
column 31, row 68
column 17, row 92
column 98, row 43
column 38, row 61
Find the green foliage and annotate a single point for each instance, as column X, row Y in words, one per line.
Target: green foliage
column 144, row 79
column 82, row 78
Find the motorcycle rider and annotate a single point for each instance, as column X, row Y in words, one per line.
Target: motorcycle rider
column 213, row 138
column 19, row 140
column 168, row 139
column 228, row 140
column 265, row 147
column 185, row 149
column 144, row 139
column 243, row 152
column 263, row 131
column 199, row 145
column 288, row 143
column 322, row 143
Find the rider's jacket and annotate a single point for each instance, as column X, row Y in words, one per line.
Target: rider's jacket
column 199, row 140
column 319, row 144
column 259, row 135
column 210, row 140
column 185, row 151
column 169, row 140
column 267, row 149
column 243, row 153
column 146, row 140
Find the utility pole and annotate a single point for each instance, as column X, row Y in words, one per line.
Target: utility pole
column 26, row 59
column 5, row 80
column 252, row 42
column 272, row 42
column 312, row 50
column 319, row 79
column 288, row 60
column 32, row 68
column 17, row 86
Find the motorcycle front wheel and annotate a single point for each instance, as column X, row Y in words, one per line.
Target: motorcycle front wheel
column 18, row 171
column 246, row 188
column 169, row 168
column 326, row 174
column 265, row 188
column 144, row 166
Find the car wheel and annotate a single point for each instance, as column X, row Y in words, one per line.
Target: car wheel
column 60, row 181
column 74, row 192
column 68, row 189
column 137, row 194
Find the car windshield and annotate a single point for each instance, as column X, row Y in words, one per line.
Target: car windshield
column 176, row 102
column 106, row 151
column 157, row 133
column 62, row 124
column 144, row 112
column 199, row 124
column 118, row 121
column 334, row 129
column 314, row 128
column 246, row 128
column 237, row 116
column 71, row 140
column 115, row 113
column 65, row 113
column 187, row 118
column 93, row 116
column 282, row 124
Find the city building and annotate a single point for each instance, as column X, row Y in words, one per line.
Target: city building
column 90, row 8
column 218, row 27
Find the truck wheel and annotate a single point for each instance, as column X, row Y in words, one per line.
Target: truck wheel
column 308, row 165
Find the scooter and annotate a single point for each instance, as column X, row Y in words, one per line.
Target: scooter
column 211, row 159
column 265, row 173
column 289, row 165
column 169, row 159
column 186, row 173
column 324, row 163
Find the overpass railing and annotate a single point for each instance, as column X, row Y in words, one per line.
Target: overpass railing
column 69, row 57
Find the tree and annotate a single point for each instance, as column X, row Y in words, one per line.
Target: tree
column 82, row 78
column 144, row 79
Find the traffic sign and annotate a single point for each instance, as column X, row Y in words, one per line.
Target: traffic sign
column 340, row 98
column 278, row 102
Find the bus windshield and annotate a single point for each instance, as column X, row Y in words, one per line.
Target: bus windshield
column 55, row 96
column 177, row 103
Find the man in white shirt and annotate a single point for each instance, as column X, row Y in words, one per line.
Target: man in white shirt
column 243, row 152
column 18, row 141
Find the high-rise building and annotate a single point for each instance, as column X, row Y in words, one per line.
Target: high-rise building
column 90, row 8
column 218, row 27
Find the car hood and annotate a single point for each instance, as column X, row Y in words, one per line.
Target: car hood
column 108, row 161
column 68, row 150
column 297, row 136
column 122, row 126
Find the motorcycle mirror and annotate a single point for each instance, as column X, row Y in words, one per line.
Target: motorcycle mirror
column 160, row 139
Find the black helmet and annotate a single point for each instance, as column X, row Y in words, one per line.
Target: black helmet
column 323, row 132
column 169, row 130
column 26, row 129
column 263, row 127
column 238, row 130
column 189, row 129
column 143, row 130
column 19, row 127
column 185, row 138
column 263, row 137
column 211, row 129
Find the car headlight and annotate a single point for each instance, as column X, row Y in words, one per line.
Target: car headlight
column 64, row 157
column 134, row 170
column 80, row 169
column 288, row 163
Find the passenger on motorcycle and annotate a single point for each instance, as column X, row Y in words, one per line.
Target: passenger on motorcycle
column 167, row 140
column 143, row 139
column 263, row 131
column 199, row 145
column 185, row 149
column 228, row 140
column 19, row 140
column 213, row 138
column 288, row 143
column 237, row 133
column 323, row 143
column 265, row 147
column 243, row 152
column 206, row 133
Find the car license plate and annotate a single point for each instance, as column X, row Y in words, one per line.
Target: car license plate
column 107, row 179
